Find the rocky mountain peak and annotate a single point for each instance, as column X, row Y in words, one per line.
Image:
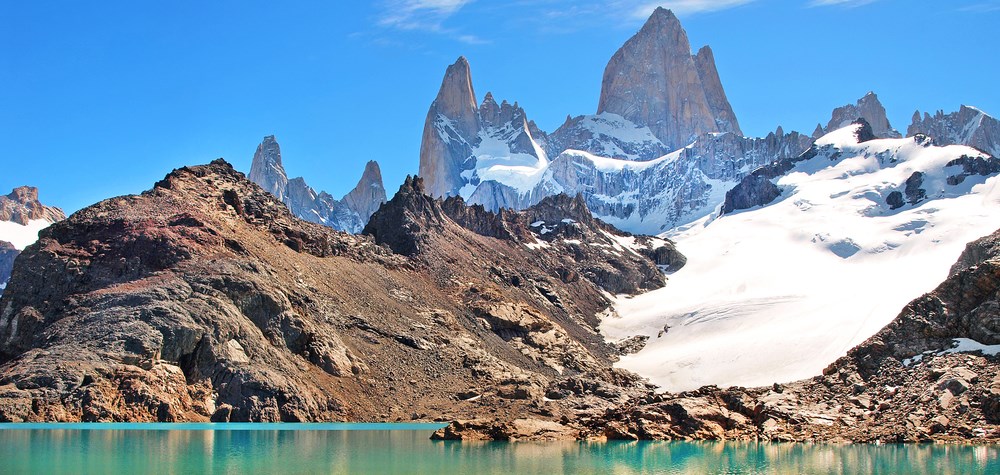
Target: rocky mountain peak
column 367, row 195
column 21, row 206
column 456, row 99
column 662, row 22
column 266, row 169
column 653, row 80
column 868, row 108
column 24, row 194
column 403, row 222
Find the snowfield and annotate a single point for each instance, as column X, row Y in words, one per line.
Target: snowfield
column 22, row 236
column 778, row 292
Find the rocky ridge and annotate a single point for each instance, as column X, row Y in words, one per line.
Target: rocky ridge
column 349, row 214
column 205, row 299
column 967, row 126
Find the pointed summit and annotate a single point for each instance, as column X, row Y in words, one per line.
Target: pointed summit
column 266, row 169
column 717, row 101
column 452, row 121
column 653, row 80
column 868, row 108
column 456, row 99
column 368, row 194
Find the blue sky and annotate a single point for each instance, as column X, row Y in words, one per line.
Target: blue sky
column 99, row 99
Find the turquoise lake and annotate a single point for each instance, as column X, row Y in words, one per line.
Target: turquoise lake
column 406, row 448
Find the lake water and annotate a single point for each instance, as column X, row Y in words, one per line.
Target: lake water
column 406, row 448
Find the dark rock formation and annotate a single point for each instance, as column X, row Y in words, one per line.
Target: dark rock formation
column 7, row 255
column 205, row 299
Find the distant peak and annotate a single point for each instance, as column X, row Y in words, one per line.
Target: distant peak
column 663, row 14
column 24, row 194
column 372, row 172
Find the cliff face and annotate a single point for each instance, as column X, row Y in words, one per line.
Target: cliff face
column 204, row 298
column 450, row 132
column 654, row 81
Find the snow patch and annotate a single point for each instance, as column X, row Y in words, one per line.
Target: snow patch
column 22, row 236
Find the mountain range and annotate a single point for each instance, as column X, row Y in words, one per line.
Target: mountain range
column 662, row 150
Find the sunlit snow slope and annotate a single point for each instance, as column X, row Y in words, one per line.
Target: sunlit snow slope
column 776, row 293
column 21, row 236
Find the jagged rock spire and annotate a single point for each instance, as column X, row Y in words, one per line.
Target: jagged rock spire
column 653, row 80
column 266, row 169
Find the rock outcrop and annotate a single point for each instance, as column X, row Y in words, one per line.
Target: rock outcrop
column 349, row 214
column 21, row 206
column 868, row 108
column 205, row 299
column 654, row 81
column 968, row 126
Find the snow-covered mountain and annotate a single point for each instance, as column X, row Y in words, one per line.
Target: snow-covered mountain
column 350, row 213
column 775, row 289
column 662, row 150
column 22, row 216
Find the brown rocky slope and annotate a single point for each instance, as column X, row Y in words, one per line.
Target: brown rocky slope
column 204, row 298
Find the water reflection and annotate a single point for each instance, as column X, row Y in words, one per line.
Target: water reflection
column 408, row 451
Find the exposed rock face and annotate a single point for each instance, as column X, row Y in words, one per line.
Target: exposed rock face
column 22, row 206
column 204, row 298
column 868, row 108
column 653, row 80
column 606, row 135
column 969, row 126
column 349, row 214
column 7, row 255
column 450, row 132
